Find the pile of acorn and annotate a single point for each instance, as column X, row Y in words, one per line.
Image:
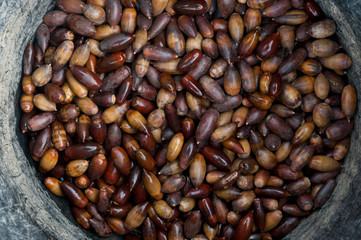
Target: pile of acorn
column 189, row 119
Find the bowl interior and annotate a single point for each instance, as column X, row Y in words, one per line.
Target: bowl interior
column 338, row 219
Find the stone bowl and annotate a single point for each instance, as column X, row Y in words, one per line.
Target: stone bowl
column 29, row 211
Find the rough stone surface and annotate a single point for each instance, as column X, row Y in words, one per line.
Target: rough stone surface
column 28, row 211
